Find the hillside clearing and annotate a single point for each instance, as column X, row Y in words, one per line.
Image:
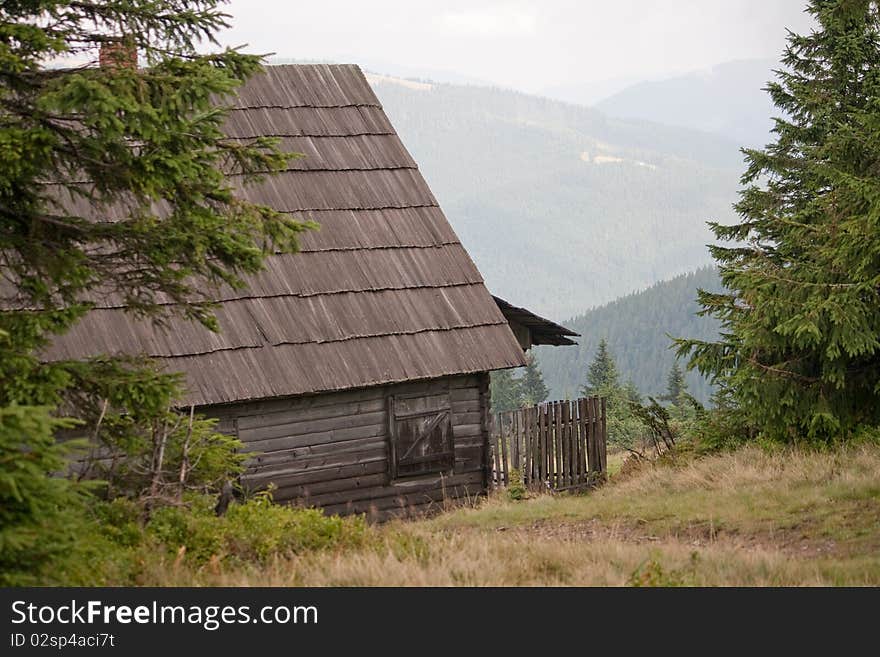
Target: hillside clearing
column 743, row 518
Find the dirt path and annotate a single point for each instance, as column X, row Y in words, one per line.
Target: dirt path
column 789, row 542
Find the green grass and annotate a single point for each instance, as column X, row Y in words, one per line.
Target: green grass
column 749, row 517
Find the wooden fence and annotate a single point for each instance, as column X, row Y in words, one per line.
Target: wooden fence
column 559, row 445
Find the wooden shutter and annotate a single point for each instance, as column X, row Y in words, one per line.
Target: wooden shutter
column 421, row 435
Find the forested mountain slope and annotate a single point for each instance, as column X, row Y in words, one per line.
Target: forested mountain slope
column 561, row 207
column 635, row 327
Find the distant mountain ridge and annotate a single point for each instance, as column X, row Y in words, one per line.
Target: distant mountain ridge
column 561, row 207
column 727, row 100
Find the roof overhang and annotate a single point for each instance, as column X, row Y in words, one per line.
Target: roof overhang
column 539, row 329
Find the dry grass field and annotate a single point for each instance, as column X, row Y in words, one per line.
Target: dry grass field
column 748, row 518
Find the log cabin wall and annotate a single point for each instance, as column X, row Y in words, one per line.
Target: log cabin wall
column 335, row 451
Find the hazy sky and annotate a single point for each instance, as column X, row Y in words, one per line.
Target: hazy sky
column 525, row 45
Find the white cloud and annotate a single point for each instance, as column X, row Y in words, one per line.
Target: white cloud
column 490, row 22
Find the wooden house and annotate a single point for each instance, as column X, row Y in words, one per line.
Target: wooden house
column 357, row 370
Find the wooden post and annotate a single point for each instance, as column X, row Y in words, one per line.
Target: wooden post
column 543, row 420
column 548, row 444
column 584, row 426
column 528, row 442
column 504, row 462
column 565, row 438
column 603, row 455
column 514, row 439
column 598, row 430
column 496, row 449
column 594, row 434
column 557, row 481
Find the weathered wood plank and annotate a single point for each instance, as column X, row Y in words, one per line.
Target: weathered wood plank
column 304, row 402
column 317, row 427
column 299, row 477
column 469, row 395
column 314, row 441
column 423, row 488
column 319, row 490
column 405, row 501
column 294, row 416
column 348, row 452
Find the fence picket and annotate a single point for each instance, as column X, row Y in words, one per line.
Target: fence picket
column 561, row 444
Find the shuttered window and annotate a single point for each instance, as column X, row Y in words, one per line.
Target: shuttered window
column 421, row 435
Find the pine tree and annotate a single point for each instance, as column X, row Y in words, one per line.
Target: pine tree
column 505, row 391
column 800, row 346
column 602, row 373
column 676, row 386
column 534, row 391
column 114, row 182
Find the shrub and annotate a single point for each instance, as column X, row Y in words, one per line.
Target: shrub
column 254, row 531
column 516, row 489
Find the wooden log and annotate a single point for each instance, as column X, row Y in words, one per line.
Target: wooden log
column 319, row 490
column 315, row 475
column 314, row 439
column 352, row 452
column 293, row 421
column 391, row 497
column 433, row 487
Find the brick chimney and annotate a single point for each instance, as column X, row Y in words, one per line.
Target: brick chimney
column 117, row 51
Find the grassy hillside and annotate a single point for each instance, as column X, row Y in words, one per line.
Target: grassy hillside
column 748, row 518
column 561, row 207
column 635, row 327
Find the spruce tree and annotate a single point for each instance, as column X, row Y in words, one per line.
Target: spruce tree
column 676, row 386
column 534, row 391
column 800, row 347
column 602, row 373
column 115, row 182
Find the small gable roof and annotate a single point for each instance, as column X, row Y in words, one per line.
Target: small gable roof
column 384, row 292
column 541, row 330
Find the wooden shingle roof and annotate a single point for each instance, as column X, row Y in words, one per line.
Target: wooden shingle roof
column 384, row 292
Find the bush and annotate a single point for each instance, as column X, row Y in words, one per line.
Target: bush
column 516, row 489
column 254, row 531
